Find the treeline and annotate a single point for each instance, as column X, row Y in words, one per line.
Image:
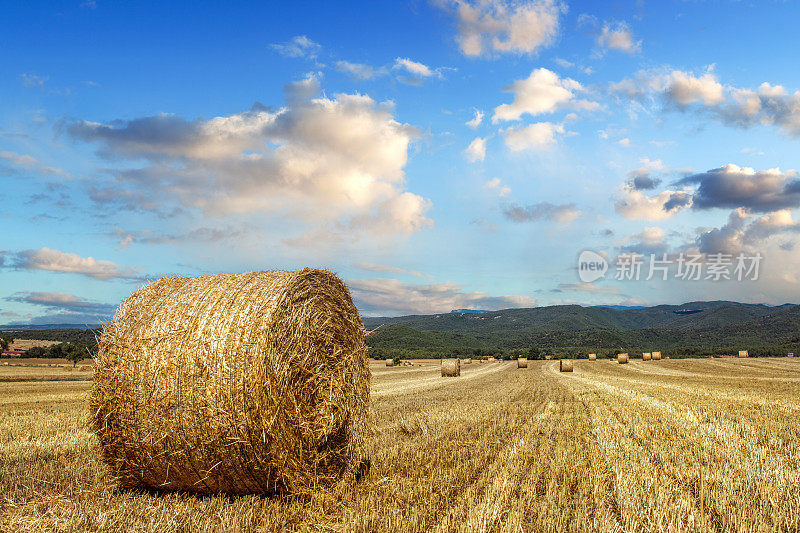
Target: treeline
column 81, row 336
column 72, row 351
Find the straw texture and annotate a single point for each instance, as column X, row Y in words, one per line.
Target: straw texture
column 243, row 383
column 451, row 368
column 565, row 365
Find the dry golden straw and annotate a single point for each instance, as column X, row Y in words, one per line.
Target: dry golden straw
column 390, row 362
column 522, row 362
column 656, row 356
column 622, row 358
column 743, row 353
column 451, row 368
column 243, row 383
column 565, row 365
column 646, row 356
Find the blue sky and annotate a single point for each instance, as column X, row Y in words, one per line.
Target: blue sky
column 436, row 155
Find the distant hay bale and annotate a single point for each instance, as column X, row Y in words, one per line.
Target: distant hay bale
column 592, row 356
column 242, row 383
column 467, row 361
column 492, row 359
column 646, row 356
column 390, row 362
column 622, row 358
column 790, row 354
column 85, row 368
column 522, row 362
column 655, row 356
column 565, row 365
column 743, row 353
column 451, row 368
column 547, row 357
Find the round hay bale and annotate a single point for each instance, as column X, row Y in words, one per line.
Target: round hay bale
column 592, row 356
column 646, row 356
column 522, row 362
column 492, row 359
column 565, row 365
column 85, row 368
column 451, row 368
column 467, row 361
column 242, row 383
column 743, row 353
column 655, row 356
column 622, row 358
column 547, row 357
column 390, row 362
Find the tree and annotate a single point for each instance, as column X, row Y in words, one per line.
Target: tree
column 5, row 342
column 37, row 351
column 76, row 353
column 534, row 353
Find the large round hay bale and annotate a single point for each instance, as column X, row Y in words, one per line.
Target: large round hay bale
column 622, row 358
column 743, row 353
column 565, row 365
column 655, row 356
column 592, row 356
column 522, row 362
column 390, row 362
column 646, row 356
column 451, row 368
column 243, row 383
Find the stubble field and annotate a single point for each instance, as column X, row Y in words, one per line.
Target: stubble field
column 678, row 445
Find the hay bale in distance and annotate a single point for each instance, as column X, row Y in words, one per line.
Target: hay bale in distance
column 522, row 362
column 451, row 368
column 467, row 361
column 492, row 359
column 242, row 383
column 646, row 356
column 622, row 358
column 390, row 362
column 592, row 357
column 547, row 357
column 790, row 354
column 565, row 365
column 743, row 353
column 655, row 356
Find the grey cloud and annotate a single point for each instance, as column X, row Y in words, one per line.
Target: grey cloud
column 678, row 200
column 644, row 182
column 732, row 186
column 541, row 211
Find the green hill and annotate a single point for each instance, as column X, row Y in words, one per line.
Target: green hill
column 691, row 328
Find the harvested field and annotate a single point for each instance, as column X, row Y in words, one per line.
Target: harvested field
column 679, row 445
